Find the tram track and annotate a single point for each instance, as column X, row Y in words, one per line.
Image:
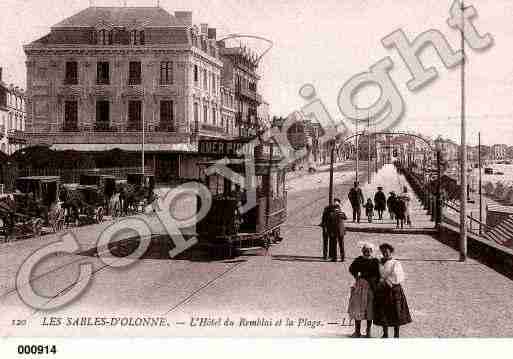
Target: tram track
column 315, row 205
column 301, row 216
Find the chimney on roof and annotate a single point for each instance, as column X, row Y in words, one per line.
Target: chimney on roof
column 184, row 16
column 212, row 33
column 204, row 28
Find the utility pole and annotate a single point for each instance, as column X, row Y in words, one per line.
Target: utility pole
column 368, row 151
column 332, row 155
column 142, row 147
column 480, row 193
column 357, row 151
column 463, row 153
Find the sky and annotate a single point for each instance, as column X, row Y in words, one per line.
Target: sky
column 325, row 43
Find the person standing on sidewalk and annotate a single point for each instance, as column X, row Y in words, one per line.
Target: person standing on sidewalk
column 369, row 210
column 333, row 231
column 391, row 201
column 365, row 270
column 356, row 199
column 390, row 305
column 380, row 202
column 407, row 201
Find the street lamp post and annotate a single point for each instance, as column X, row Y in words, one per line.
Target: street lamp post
column 142, row 145
column 332, row 155
column 480, row 193
column 463, row 155
column 357, row 151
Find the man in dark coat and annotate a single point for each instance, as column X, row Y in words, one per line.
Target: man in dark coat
column 356, row 198
column 380, row 202
column 333, row 231
column 391, row 205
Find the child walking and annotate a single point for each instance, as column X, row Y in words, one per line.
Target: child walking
column 369, row 209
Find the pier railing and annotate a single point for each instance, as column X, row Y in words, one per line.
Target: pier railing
column 447, row 210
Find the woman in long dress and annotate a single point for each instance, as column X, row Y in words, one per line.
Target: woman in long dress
column 365, row 270
column 391, row 307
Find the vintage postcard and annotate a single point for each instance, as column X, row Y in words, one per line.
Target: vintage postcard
column 292, row 168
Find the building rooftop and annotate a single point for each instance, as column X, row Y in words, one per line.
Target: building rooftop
column 121, row 17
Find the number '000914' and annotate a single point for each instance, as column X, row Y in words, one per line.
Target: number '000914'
column 37, row 349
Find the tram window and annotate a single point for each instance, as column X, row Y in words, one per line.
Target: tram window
column 259, row 188
column 279, row 192
column 229, row 187
column 216, row 184
column 220, row 184
column 272, row 185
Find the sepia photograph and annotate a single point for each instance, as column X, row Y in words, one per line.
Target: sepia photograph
column 255, row 169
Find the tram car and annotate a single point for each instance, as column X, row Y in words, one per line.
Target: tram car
column 225, row 229
column 34, row 204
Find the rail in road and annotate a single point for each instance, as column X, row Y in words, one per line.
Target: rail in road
column 447, row 298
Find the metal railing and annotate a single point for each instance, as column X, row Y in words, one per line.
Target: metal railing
column 428, row 199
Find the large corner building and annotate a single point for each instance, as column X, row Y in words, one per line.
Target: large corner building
column 101, row 75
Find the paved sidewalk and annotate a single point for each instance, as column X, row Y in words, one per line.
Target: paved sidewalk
column 447, row 298
column 388, row 178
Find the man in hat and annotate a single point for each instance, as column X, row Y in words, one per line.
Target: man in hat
column 356, row 199
column 333, row 231
column 380, row 202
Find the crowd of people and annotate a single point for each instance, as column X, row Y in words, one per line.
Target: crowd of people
column 377, row 295
column 398, row 206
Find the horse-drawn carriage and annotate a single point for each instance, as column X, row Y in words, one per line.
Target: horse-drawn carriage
column 137, row 192
column 88, row 201
column 34, row 205
column 225, row 229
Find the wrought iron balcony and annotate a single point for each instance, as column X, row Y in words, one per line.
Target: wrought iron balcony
column 165, row 127
column 16, row 136
column 212, row 128
column 70, row 128
column 249, row 94
column 104, row 127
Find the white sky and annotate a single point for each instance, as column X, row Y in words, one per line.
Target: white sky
column 326, row 42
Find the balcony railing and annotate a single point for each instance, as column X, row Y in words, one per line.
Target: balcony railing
column 249, row 94
column 104, row 127
column 17, row 136
column 107, row 127
column 212, row 128
column 134, row 81
column 70, row 128
column 71, row 81
column 165, row 127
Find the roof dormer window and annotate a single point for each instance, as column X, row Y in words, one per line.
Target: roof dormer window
column 104, row 37
column 136, row 37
